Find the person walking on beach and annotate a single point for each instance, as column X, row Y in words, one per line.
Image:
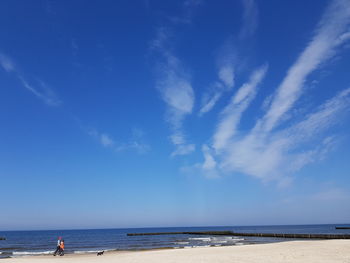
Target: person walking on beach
column 62, row 248
column 58, row 248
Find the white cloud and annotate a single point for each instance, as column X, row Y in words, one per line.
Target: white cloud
column 7, row 63
column 280, row 153
column 139, row 147
column 174, row 85
column 324, row 117
column 181, row 146
column 211, row 97
column 226, row 65
column 228, row 62
column 159, row 42
column 227, row 76
column 209, row 102
column 41, row 90
column 176, row 90
column 209, row 162
column 268, row 151
column 231, row 115
column 177, row 138
column 186, row 16
column 137, row 142
column 209, row 166
column 322, row 47
column 250, row 18
column 103, row 138
column 134, row 143
column 183, row 149
column 106, row 140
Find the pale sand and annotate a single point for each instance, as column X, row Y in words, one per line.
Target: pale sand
column 295, row 251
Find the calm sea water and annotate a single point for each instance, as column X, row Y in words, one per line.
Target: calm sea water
column 19, row 243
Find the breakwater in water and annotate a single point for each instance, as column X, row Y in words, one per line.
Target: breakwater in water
column 2, row 238
column 230, row 233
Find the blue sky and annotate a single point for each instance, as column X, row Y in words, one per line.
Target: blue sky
column 174, row 113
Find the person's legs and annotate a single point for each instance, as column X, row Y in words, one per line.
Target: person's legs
column 57, row 250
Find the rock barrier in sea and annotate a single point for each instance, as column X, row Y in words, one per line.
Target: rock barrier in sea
column 230, row 233
column 2, row 238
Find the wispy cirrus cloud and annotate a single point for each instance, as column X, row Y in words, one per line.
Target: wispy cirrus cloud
column 173, row 80
column 282, row 152
column 45, row 93
column 250, row 19
column 227, row 75
column 231, row 115
column 228, row 62
column 228, row 124
column 328, row 37
column 174, row 85
column 7, row 63
column 188, row 7
column 176, row 90
column 134, row 143
column 226, row 79
column 267, row 151
column 41, row 90
column 103, row 138
column 211, row 97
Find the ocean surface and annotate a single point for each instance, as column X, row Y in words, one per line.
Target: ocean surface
column 23, row 243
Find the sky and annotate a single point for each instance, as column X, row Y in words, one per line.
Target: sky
column 153, row 113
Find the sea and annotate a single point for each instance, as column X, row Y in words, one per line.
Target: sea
column 43, row 242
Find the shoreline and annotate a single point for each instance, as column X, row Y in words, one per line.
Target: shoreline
column 110, row 251
column 289, row 251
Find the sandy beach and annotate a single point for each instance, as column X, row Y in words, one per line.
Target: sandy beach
column 294, row 251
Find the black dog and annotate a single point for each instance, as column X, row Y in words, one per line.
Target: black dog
column 100, row 253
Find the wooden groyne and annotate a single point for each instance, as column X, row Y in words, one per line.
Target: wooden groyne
column 219, row 233
column 308, row 236
column 342, row 227
column 230, row 233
